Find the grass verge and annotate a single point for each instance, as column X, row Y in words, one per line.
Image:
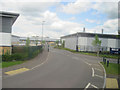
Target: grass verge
column 89, row 53
column 11, row 63
column 112, row 69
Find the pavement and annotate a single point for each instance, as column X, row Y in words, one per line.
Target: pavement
column 111, row 83
column 56, row 69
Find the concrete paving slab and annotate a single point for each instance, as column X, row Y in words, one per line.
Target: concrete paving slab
column 111, row 83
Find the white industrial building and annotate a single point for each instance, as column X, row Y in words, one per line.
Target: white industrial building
column 84, row 41
column 7, row 20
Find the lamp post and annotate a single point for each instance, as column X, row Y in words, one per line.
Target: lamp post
column 42, row 30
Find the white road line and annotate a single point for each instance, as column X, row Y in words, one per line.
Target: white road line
column 104, row 74
column 98, row 76
column 93, row 72
column 40, row 64
column 87, row 86
column 94, row 86
column 95, row 64
column 98, row 69
column 87, row 63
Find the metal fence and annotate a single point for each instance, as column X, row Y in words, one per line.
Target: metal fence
column 28, row 52
column 92, row 48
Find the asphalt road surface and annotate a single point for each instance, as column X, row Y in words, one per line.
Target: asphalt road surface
column 60, row 69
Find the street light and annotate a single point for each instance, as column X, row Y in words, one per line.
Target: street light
column 42, row 30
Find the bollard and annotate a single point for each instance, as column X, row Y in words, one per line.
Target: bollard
column 105, row 60
column 107, row 63
column 118, row 60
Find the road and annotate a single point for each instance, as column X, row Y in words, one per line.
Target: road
column 60, row 69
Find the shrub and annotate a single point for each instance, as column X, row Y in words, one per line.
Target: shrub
column 6, row 58
column 17, row 57
column 24, row 53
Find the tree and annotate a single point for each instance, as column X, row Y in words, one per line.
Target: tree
column 63, row 44
column 36, row 42
column 28, row 42
column 43, row 42
column 97, row 44
column 57, row 42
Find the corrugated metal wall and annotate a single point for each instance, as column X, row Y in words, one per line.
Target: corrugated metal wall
column 70, row 43
column 85, row 43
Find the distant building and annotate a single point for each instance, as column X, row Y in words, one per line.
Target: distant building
column 17, row 40
column 7, row 19
column 84, row 41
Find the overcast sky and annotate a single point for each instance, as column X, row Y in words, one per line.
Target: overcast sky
column 62, row 18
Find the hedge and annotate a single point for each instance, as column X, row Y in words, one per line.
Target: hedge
column 25, row 54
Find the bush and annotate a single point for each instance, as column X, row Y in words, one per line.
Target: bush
column 17, row 57
column 6, row 58
column 22, row 53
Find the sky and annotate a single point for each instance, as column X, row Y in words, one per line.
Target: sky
column 62, row 17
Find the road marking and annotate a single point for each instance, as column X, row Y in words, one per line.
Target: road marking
column 98, row 69
column 40, row 64
column 94, row 86
column 111, row 83
column 95, row 64
column 104, row 74
column 87, row 63
column 99, row 76
column 13, row 72
column 29, row 69
column 93, row 72
column 87, row 86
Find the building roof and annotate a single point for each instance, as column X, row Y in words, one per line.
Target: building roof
column 83, row 34
column 15, row 36
column 10, row 15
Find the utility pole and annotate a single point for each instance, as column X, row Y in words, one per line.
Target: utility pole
column 42, row 31
column 84, row 29
column 102, row 31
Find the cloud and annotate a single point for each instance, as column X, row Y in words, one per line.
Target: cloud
column 76, row 7
column 53, row 27
column 109, row 27
column 72, row 18
column 32, row 14
column 108, row 8
column 90, row 21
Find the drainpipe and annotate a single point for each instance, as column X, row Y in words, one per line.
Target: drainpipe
column 77, row 42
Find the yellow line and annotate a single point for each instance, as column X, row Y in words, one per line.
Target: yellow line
column 13, row 72
column 111, row 83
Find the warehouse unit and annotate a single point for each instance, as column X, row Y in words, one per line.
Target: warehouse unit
column 6, row 21
column 84, row 41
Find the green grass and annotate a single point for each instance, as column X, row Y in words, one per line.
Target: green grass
column 11, row 63
column 89, row 53
column 112, row 69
